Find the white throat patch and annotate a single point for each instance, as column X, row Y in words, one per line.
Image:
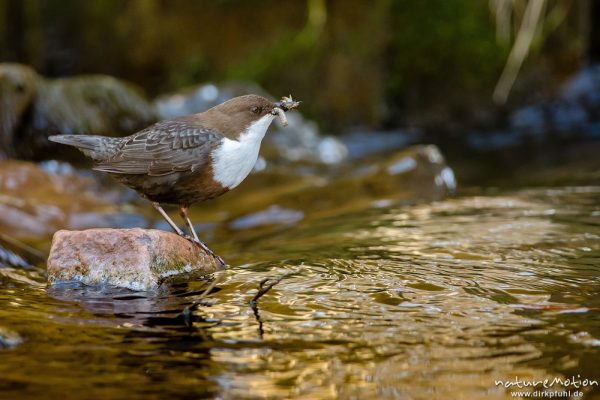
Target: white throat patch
column 234, row 159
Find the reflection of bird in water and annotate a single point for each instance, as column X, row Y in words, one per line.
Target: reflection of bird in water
column 187, row 159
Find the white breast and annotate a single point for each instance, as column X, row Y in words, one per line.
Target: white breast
column 234, row 159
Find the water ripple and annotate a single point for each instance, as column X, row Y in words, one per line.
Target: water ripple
column 418, row 301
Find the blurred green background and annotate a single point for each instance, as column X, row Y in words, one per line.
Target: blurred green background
column 372, row 64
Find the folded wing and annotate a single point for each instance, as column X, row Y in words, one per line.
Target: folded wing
column 164, row 148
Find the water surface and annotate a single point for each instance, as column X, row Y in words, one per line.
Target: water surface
column 430, row 301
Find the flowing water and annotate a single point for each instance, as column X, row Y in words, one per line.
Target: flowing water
column 428, row 301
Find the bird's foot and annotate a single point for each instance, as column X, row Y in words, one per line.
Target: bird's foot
column 205, row 248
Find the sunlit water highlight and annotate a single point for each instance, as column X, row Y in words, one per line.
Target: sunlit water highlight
column 431, row 301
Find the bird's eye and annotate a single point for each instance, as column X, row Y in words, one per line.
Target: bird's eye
column 256, row 110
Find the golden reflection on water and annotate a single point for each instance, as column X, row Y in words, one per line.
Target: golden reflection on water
column 429, row 301
column 433, row 314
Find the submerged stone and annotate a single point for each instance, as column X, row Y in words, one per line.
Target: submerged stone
column 137, row 259
column 273, row 215
column 9, row 338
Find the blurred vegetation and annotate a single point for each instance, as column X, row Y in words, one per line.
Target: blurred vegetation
column 377, row 63
column 445, row 63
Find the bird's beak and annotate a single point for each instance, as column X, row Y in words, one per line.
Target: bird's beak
column 285, row 104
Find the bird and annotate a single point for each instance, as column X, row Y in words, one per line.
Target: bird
column 187, row 159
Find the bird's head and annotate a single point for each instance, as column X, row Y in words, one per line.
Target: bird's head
column 245, row 110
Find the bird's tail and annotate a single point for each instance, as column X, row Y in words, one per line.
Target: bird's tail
column 96, row 147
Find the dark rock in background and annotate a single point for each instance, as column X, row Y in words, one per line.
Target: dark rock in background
column 93, row 105
column 572, row 114
column 18, row 88
column 417, row 173
column 575, row 111
column 34, row 108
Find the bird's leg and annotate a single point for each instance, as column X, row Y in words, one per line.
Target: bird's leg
column 168, row 219
column 184, row 215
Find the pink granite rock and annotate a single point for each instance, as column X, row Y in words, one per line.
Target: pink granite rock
column 138, row 259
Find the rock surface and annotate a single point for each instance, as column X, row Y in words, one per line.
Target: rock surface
column 284, row 195
column 137, row 259
column 36, row 203
column 18, row 85
column 91, row 104
column 33, row 107
column 573, row 112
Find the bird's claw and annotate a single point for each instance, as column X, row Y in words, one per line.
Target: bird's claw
column 204, row 247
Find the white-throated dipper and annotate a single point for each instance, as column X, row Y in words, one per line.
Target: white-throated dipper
column 187, row 159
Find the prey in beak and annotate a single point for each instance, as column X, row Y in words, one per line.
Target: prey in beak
column 285, row 104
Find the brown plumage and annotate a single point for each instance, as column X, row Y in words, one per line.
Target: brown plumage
column 174, row 161
column 168, row 162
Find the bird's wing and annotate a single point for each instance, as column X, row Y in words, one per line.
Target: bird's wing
column 162, row 149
